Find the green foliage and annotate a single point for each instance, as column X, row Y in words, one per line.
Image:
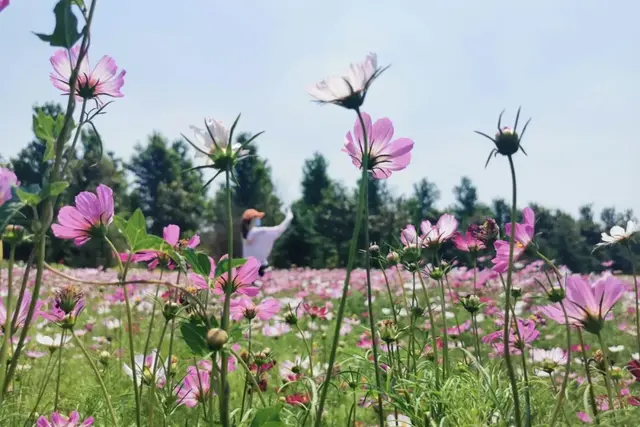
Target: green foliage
column 223, row 265
column 268, row 417
column 199, row 262
column 65, row 34
column 194, row 334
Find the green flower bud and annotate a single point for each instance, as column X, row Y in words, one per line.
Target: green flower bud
column 216, row 339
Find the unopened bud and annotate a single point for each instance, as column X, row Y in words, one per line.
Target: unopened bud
column 471, row 303
column 216, row 339
column 393, row 258
column 411, row 254
column 516, row 292
column 616, row 372
column 291, row 319
column 104, row 357
column 374, row 250
column 388, row 331
column 507, row 141
column 13, row 234
column 556, row 294
column 436, row 274
column 170, row 310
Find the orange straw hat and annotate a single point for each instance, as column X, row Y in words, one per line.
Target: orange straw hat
column 249, row 214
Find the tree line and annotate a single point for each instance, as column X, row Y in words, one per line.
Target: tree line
column 158, row 179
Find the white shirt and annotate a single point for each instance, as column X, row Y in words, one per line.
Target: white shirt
column 260, row 240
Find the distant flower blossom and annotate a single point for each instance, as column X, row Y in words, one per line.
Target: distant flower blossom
column 549, row 360
column 90, row 216
column 244, row 307
column 294, row 370
column 467, row 242
column 8, row 179
column 399, row 421
column 442, row 231
column 384, row 155
column 57, row 420
column 350, row 89
column 102, row 80
column 523, row 235
column 52, row 343
column 588, row 305
column 618, row 234
column 145, row 369
column 22, row 311
column 171, row 235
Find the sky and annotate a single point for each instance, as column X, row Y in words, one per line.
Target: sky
column 571, row 65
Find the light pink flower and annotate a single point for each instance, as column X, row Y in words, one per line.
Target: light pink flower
column 442, row 231
column 467, row 242
column 244, row 307
column 523, row 235
column 57, row 420
column 385, row 156
column 92, row 213
column 242, row 278
column 22, row 312
column 409, row 236
column 102, row 80
column 8, row 179
column 195, row 387
column 588, row 305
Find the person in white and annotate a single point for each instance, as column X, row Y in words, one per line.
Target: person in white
column 257, row 241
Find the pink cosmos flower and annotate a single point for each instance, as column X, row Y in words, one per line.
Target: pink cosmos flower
column 57, row 420
column 384, row 156
column 442, row 231
column 242, row 278
column 171, row 235
column 3, row 4
column 90, row 216
column 244, row 307
column 588, row 305
column 102, row 80
column 22, row 312
column 195, row 387
column 467, row 242
column 523, row 236
column 8, row 179
column 409, row 236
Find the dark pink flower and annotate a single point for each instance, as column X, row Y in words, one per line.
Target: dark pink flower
column 242, row 278
column 57, row 420
column 3, row 4
column 244, row 307
column 90, row 216
column 467, row 242
column 523, row 235
column 171, row 235
column 102, row 80
column 384, row 156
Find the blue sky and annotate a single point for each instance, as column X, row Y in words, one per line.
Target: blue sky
column 572, row 65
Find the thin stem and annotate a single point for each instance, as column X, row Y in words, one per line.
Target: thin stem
column 6, row 342
column 96, row 372
column 585, row 361
column 45, row 381
column 251, row 377
column 307, row 347
column 367, row 263
column 246, row 379
column 433, row 329
column 445, row 335
column 55, row 400
column 169, row 385
column 607, row 376
column 393, row 306
column 476, row 340
column 224, row 396
column 635, row 289
column 507, row 297
column 567, row 368
column 353, row 245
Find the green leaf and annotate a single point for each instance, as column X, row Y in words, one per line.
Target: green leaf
column 194, row 334
column 268, row 417
column 65, row 34
column 199, row 262
column 53, row 190
column 8, row 211
column 121, row 223
column 223, row 266
column 150, row 242
column 29, row 199
column 136, row 229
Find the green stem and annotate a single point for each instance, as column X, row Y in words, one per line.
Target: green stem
column 96, row 372
column 367, row 263
column 4, row 351
column 393, row 306
column 251, row 377
column 635, row 289
column 169, row 385
column 353, row 245
column 567, row 368
column 55, row 400
column 476, row 340
column 307, row 347
column 224, row 386
column 585, row 361
column 433, row 329
column 607, row 376
column 507, row 297
column 246, row 378
column 445, row 335
column 45, row 381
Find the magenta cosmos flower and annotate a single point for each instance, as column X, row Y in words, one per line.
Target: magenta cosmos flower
column 8, row 180
column 523, row 236
column 588, row 305
column 244, row 307
column 171, row 235
column 384, row 156
column 195, row 387
column 88, row 218
column 22, row 311
column 3, row 4
column 57, row 420
column 468, row 242
column 91, row 84
column 409, row 236
column 442, row 231
column 242, row 278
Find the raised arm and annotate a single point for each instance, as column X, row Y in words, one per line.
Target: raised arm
column 275, row 231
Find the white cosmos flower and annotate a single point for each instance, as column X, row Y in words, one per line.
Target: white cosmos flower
column 145, row 367
column 349, row 89
column 400, row 421
column 618, row 234
column 52, row 343
column 616, row 349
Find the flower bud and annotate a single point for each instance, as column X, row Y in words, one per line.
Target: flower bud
column 170, row 310
column 216, row 339
column 393, row 258
column 516, row 292
column 13, row 234
column 417, row 311
column 556, row 294
column 436, row 273
column 507, row 141
column 374, row 250
column 104, row 357
column 411, row 254
column 291, row 319
column 471, row 303
column 388, row 331
column 617, row 373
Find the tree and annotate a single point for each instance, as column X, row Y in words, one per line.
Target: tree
column 466, row 196
column 166, row 190
column 315, row 179
column 421, row 205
